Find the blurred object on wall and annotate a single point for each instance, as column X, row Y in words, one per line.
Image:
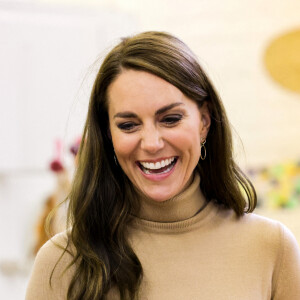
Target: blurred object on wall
column 56, row 204
column 278, row 185
column 282, row 60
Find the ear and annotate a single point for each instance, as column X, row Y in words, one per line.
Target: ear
column 205, row 120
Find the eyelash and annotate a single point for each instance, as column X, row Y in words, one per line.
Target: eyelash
column 127, row 126
column 172, row 120
column 169, row 121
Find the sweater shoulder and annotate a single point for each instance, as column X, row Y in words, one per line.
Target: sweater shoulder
column 251, row 221
column 267, row 228
column 259, row 230
column 56, row 251
column 282, row 242
column 275, row 236
column 50, row 276
column 55, row 243
column 264, row 223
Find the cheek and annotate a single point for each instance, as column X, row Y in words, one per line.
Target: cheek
column 124, row 146
column 188, row 147
column 188, row 139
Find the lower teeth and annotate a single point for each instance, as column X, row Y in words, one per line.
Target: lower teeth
column 147, row 171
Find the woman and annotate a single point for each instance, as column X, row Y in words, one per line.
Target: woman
column 157, row 208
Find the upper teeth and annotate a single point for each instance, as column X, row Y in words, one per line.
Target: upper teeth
column 158, row 164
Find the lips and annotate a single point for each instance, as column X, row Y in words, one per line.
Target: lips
column 158, row 167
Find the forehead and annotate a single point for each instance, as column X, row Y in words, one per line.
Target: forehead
column 139, row 90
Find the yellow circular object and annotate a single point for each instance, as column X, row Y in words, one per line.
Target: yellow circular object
column 282, row 59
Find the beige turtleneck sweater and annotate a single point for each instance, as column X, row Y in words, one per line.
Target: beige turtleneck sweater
column 193, row 250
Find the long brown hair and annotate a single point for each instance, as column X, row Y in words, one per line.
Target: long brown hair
column 101, row 199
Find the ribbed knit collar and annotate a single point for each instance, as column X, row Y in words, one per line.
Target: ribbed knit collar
column 181, row 207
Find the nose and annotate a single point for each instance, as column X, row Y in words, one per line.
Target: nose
column 152, row 140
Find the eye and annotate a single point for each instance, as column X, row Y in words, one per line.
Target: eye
column 172, row 119
column 127, row 126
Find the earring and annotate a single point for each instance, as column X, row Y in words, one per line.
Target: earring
column 115, row 159
column 203, row 152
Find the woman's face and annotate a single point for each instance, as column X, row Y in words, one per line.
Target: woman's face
column 156, row 132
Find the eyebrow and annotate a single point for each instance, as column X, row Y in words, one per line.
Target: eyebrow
column 128, row 114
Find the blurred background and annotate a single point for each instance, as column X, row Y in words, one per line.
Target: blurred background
column 49, row 55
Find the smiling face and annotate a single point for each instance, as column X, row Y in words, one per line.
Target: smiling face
column 156, row 133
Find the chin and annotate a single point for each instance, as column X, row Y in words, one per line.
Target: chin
column 160, row 196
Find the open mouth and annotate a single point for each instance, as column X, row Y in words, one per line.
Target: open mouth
column 160, row 167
